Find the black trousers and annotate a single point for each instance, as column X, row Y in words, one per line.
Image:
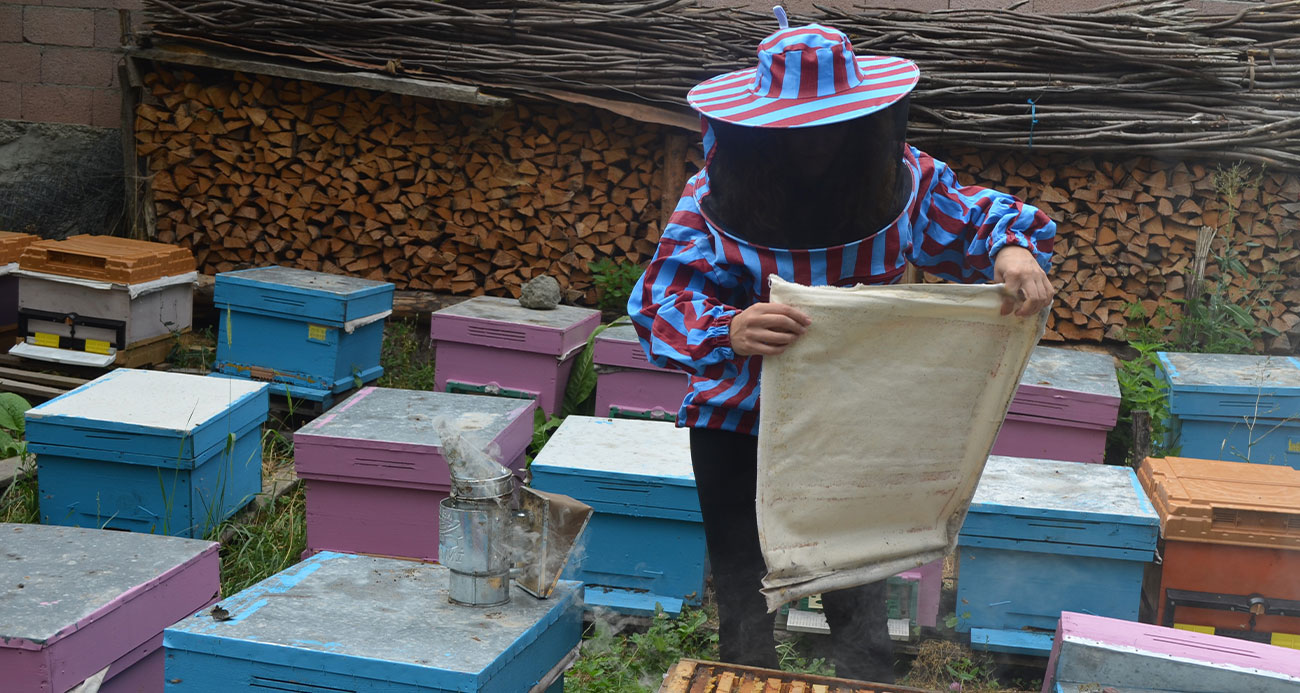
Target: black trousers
column 726, row 477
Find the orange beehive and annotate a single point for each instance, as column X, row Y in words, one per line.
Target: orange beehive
column 12, row 245
column 1232, row 539
column 107, row 258
column 694, row 676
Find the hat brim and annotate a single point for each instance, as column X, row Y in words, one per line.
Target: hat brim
column 727, row 97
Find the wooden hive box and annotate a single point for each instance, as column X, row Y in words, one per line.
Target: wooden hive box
column 1234, row 407
column 100, row 300
column 645, row 541
column 149, row 451
column 108, row 259
column 340, row 623
column 1066, row 404
column 695, row 676
column 1231, row 546
column 1090, row 653
column 628, row 385
column 76, row 601
column 1044, row 536
column 375, row 471
column 492, row 345
column 11, row 248
column 315, row 335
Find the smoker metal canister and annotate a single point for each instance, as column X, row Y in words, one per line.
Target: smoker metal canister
column 474, row 523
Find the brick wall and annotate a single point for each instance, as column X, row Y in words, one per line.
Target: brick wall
column 58, row 60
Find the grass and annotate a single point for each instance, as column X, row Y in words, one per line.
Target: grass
column 406, row 357
column 613, row 662
column 18, row 501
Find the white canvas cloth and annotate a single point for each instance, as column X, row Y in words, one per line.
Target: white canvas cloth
column 875, row 426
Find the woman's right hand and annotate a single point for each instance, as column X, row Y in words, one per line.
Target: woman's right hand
column 766, row 329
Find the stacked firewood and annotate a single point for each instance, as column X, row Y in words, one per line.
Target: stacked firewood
column 251, row 170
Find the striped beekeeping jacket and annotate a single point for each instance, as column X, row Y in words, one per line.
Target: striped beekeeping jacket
column 702, row 276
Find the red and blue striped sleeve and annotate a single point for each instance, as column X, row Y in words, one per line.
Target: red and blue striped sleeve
column 958, row 229
column 676, row 309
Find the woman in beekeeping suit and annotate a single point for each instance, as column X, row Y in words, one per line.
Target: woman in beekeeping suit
column 807, row 177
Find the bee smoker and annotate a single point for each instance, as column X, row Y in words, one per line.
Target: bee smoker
column 484, row 542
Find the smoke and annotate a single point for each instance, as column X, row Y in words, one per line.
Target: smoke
column 468, row 457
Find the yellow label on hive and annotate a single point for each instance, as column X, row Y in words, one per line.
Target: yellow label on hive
column 1208, row 630
column 1290, row 640
column 46, row 339
column 96, row 346
column 1292, row 445
column 317, row 332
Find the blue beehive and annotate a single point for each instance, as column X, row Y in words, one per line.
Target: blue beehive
column 314, row 334
column 149, row 451
column 1043, row 537
column 644, row 544
column 1234, row 407
column 344, row 623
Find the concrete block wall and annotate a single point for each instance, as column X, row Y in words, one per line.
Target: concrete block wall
column 58, row 60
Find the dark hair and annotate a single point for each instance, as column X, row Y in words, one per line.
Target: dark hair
column 809, row 187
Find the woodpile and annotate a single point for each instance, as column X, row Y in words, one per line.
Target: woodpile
column 1127, row 234
column 253, row 170
column 249, row 170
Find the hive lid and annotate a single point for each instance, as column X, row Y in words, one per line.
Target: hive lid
column 508, row 310
column 1071, row 370
column 1232, row 385
column 175, row 417
column 70, row 576
column 306, row 280
column 12, row 245
column 1224, row 502
column 107, row 258
column 620, row 346
column 619, row 449
column 375, row 618
column 406, row 417
column 303, row 295
column 1066, row 490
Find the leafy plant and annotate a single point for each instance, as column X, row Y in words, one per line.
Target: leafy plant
column 614, row 282
column 12, row 424
column 637, row 663
column 791, row 657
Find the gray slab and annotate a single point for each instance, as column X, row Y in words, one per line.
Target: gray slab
column 378, row 608
column 308, row 280
column 1068, row 369
column 1061, row 486
column 407, row 416
column 619, row 333
column 52, row 577
column 509, row 310
column 656, row 449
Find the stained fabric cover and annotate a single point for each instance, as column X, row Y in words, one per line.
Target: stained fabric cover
column 876, row 425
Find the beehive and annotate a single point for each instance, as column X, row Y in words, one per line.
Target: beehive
column 492, row 345
column 314, row 335
column 1234, row 407
column 1090, row 653
column 375, row 471
column 694, row 676
column 1065, row 405
column 93, row 300
column 1231, row 546
column 1042, row 537
column 76, row 601
column 347, row 624
column 149, row 451
column 628, row 385
column 11, row 247
column 644, row 545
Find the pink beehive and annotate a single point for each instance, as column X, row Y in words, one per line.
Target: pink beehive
column 375, row 472
column 77, row 602
column 628, row 385
column 1092, row 653
column 491, row 345
column 1066, row 404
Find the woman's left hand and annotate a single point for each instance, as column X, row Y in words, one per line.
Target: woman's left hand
column 1028, row 289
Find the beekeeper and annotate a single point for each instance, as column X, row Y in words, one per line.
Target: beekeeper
column 807, row 177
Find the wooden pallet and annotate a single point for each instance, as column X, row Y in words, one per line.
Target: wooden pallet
column 695, row 676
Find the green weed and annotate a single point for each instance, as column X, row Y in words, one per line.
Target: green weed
column 636, row 663
column 406, row 357
column 792, row 655
column 614, row 282
column 20, row 502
